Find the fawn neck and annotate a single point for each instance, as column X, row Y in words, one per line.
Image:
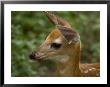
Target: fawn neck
column 70, row 65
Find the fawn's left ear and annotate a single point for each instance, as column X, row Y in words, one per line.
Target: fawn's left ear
column 56, row 19
column 69, row 34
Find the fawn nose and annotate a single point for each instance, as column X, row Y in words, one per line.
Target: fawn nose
column 32, row 55
column 35, row 55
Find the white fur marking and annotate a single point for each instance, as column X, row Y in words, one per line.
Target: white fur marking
column 86, row 71
column 93, row 68
column 58, row 40
column 90, row 69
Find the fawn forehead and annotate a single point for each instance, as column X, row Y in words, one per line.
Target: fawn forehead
column 54, row 36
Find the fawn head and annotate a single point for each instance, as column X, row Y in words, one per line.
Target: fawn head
column 60, row 42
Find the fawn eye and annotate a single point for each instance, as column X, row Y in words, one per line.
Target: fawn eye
column 55, row 45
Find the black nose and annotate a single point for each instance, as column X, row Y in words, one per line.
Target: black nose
column 32, row 56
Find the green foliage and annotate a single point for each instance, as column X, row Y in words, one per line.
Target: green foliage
column 29, row 30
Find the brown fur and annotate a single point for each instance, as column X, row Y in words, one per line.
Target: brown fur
column 53, row 35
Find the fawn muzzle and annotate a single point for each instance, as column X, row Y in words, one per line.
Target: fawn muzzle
column 36, row 55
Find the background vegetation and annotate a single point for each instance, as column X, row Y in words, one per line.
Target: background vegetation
column 29, row 30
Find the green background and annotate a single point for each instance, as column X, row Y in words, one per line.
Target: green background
column 29, row 30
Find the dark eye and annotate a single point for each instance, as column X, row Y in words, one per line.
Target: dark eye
column 55, row 45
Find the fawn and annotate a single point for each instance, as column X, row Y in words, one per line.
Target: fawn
column 64, row 45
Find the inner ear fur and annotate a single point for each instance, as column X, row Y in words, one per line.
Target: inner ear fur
column 69, row 34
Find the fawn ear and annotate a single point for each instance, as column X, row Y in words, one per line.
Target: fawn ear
column 69, row 34
column 56, row 19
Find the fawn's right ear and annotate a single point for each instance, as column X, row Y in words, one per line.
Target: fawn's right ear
column 70, row 35
column 56, row 19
